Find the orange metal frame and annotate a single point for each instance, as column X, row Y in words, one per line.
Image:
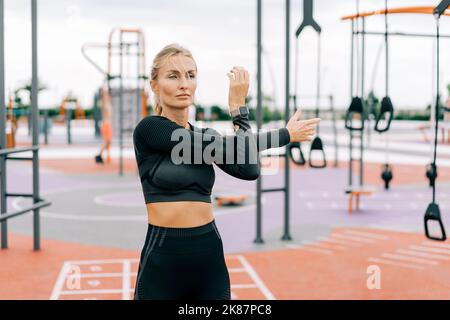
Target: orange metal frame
column 418, row 10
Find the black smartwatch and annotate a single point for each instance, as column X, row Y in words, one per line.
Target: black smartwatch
column 242, row 111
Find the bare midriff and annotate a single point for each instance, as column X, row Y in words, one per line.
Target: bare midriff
column 179, row 214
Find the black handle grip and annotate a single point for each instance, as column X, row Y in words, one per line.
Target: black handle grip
column 433, row 213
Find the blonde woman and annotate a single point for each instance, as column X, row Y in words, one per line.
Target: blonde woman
column 183, row 254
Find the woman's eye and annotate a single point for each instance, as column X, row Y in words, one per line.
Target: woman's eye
column 192, row 76
column 172, row 76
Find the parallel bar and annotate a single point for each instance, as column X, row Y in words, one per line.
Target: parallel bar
column 3, row 207
column 259, row 238
column 273, row 190
column 34, row 207
column 24, row 195
column 273, row 155
column 18, row 150
column 286, row 235
column 35, row 112
column 19, row 158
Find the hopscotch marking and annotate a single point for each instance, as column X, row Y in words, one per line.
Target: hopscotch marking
column 126, row 280
column 256, row 279
column 96, row 266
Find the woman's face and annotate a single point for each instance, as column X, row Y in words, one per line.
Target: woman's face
column 176, row 82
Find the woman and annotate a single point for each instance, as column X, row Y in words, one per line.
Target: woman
column 183, row 254
column 106, row 127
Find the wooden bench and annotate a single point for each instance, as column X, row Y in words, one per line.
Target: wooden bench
column 357, row 193
column 230, row 199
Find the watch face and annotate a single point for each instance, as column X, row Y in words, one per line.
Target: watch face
column 244, row 111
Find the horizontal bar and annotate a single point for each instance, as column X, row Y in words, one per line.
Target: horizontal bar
column 18, row 150
column 126, row 53
column 25, row 195
column 38, row 205
column 273, row 190
column 402, row 34
column 19, row 158
column 273, row 155
column 128, row 78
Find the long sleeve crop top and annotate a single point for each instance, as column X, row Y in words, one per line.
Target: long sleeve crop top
column 176, row 164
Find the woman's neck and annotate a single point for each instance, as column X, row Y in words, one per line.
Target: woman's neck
column 180, row 116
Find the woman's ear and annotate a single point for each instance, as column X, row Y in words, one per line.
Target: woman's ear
column 154, row 86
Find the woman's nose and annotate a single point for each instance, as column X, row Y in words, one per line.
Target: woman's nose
column 184, row 82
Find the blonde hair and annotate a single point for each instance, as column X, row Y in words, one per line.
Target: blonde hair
column 168, row 51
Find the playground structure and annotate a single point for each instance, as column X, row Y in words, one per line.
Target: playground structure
column 128, row 89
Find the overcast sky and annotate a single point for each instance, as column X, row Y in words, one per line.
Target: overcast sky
column 220, row 34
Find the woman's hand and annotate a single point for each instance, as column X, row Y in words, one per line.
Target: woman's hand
column 239, row 85
column 301, row 130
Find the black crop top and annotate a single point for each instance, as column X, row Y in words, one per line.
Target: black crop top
column 174, row 169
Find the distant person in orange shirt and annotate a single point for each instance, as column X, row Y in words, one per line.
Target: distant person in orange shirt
column 106, row 127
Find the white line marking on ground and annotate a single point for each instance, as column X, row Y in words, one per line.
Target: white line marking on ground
column 352, row 238
column 100, row 291
column 323, row 245
column 109, row 261
column 256, row 278
column 367, row 234
column 435, row 244
column 60, row 281
column 423, row 254
column 407, row 258
column 237, row 270
column 105, row 275
column 316, row 250
column 394, row 263
column 436, row 250
column 341, row 242
column 126, row 279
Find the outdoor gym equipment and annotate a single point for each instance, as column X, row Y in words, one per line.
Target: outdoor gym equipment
column 433, row 212
column 9, row 154
column 386, row 113
column 308, row 20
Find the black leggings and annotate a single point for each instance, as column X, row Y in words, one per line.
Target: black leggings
column 183, row 263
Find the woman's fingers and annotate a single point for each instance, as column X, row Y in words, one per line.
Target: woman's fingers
column 313, row 121
column 297, row 115
column 241, row 74
column 246, row 76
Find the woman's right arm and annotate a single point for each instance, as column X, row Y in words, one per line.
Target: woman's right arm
column 162, row 135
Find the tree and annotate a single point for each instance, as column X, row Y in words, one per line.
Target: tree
column 27, row 89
